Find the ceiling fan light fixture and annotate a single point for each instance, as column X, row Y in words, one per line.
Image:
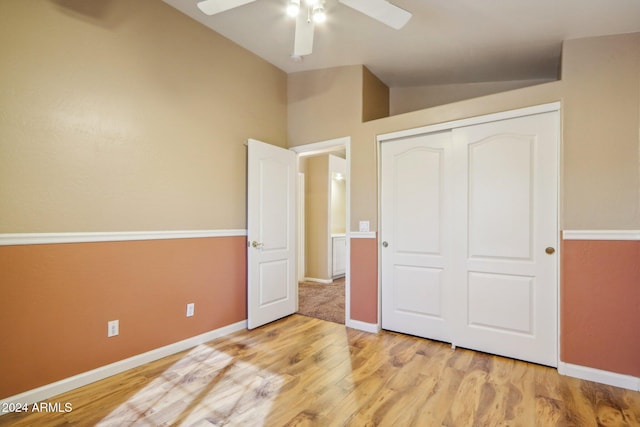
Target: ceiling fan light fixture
column 293, row 8
column 318, row 13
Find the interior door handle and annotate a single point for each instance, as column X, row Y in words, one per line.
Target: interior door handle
column 550, row 250
column 257, row 244
column 385, row 244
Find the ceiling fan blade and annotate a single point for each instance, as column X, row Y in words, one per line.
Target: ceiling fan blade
column 303, row 40
column 211, row 7
column 381, row 10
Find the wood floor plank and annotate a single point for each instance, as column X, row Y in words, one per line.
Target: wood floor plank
column 308, row 372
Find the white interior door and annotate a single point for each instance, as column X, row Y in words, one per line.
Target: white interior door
column 416, row 235
column 506, row 225
column 271, row 219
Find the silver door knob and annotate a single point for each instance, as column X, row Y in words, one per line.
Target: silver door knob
column 385, row 244
column 257, row 244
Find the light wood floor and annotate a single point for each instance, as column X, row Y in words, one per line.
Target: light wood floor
column 307, row 372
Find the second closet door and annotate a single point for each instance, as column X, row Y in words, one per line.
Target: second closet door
column 506, row 236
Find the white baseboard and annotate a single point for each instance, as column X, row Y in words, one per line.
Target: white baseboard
column 374, row 328
column 604, row 377
column 323, row 281
column 47, row 391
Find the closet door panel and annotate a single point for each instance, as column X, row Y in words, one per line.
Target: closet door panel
column 500, row 197
column 415, row 234
column 506, row 217
column 487, row 293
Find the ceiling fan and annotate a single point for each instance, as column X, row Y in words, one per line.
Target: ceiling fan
column 380, row 10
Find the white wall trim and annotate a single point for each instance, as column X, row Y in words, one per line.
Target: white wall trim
column 373, row 328
column 47, row 391
column 527, row 111
column 604, row 377
column 362, row 235
column 12, row 239
column 601, row 235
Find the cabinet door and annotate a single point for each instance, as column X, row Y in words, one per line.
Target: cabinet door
column 339, row 256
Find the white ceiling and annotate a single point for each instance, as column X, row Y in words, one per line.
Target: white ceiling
column 446, row 41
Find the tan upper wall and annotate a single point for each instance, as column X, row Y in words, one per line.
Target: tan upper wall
column 317, row 227
column 110, row 122
column 407, row 99
column 126, row 115
column 324, row 104
column 375, row 97
column 601, row 132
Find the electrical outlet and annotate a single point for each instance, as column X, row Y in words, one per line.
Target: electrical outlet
column 190, row 309
column 113, row 328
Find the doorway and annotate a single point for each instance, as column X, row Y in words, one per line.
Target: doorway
column 323, row 236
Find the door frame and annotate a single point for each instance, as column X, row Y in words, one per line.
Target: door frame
column 300, row 212
column 509, row 114
column 325, row 147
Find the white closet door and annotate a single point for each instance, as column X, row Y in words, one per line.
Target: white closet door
column 416, row 235
column 505, row 224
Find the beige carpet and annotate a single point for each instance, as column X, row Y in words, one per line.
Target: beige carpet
column 322, row 301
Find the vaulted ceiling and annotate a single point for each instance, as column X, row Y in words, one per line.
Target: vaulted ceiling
column 446, row 41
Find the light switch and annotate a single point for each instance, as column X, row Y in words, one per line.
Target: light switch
column 364, row 226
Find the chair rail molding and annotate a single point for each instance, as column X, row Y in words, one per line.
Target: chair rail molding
column 601, row 235
column 13, row 239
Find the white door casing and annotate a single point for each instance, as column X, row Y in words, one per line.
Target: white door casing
column 416, row 235
column 468, row 214
column 301, row 225
column 271, row 233
column 506, row 217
